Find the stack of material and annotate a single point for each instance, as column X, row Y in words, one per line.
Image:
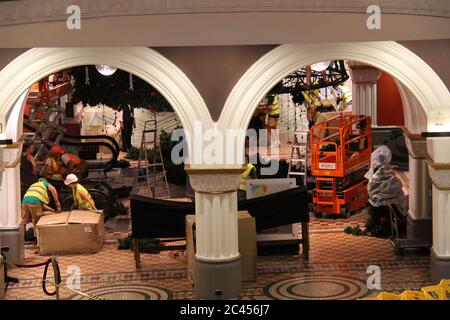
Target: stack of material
column 71, row 232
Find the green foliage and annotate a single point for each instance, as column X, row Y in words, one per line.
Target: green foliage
column 357, row 231
column 175, row 172
column 114, row 91
column 123, row 164
column 133, row 154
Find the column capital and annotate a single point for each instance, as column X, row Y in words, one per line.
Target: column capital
column 440, row 174
column 363, row 73
column 214, row 180
column 416, row 145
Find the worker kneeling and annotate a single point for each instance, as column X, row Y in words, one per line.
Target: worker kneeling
column 82, row 200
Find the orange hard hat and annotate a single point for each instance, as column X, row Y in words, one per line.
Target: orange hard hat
column 57, row 149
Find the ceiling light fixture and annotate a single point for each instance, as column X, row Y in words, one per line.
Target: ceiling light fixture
column 320, row 66
column 105, row 69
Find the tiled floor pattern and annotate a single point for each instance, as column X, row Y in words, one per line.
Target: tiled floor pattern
column 337, row 269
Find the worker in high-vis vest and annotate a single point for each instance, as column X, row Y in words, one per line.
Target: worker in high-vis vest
column 36, row 200
column 82, row 200
column 249, row 173
column 53, row 169
column 343, row 97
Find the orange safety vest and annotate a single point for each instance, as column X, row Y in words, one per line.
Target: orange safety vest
column 73, row 158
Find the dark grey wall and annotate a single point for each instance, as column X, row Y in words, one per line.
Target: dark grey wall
column 214, row 70
column 436, row 53
column 7, row 55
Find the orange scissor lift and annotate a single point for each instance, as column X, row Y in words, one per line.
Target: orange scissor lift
column 340, row 154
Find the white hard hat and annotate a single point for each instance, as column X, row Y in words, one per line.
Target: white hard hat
column 71, row 178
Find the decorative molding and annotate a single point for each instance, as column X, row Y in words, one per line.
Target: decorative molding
column 365, row 75
column 437, row 165
column 214, row 183
column 32, row 11
column 417, row 149
column 412, row 136
column 191, row 171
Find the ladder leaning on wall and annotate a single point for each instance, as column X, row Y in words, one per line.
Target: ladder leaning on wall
column 150, row 142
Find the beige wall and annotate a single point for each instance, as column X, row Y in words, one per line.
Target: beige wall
column 223, row 29
column 435, row 53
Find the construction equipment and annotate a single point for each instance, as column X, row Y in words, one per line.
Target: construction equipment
column 340, row 154
column 329, row 199
column 340, row 145
column 144, row 165
column 299, row 156
column 400, row 244
column 49, row 131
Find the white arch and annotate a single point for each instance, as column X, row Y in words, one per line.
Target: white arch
column 143, row 62
column 402, row 64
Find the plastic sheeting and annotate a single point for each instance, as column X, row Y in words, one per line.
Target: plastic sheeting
column 384, row 187
column 104, row 120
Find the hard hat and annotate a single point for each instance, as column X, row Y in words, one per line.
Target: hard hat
column 71, row 178
column 57, row 149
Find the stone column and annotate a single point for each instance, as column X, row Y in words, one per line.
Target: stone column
column 2, row 282
column 11, row 234
column 217, row 266
column 439, row 167
column 364, row 89
column 420, row 201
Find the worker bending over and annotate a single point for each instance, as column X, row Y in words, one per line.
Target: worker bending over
column 36, row 200
column 53, row 165
column 68, row 163
column 82, row 200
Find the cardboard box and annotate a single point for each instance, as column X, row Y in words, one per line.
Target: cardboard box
column 72, row 232
column 247, row 245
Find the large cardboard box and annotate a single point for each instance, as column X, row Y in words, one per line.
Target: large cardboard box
column 247, row 245
column 72, row 232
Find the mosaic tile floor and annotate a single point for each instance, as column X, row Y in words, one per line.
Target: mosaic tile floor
column 337, row 269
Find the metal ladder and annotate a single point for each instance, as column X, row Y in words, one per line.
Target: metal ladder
column 297, row 157
column 150, row 128
column 49, row 131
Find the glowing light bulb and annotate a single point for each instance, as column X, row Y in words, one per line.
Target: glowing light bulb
column 105, row 69
column 320, row 66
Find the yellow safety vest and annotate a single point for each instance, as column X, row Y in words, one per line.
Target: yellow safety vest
column 80, row 203
column 246, row 176
column 56, row 169
column 275, row 107
column 310, row 97
column 346, row 94
column 38, row 190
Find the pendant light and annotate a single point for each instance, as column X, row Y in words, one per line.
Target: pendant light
column 105, row 69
